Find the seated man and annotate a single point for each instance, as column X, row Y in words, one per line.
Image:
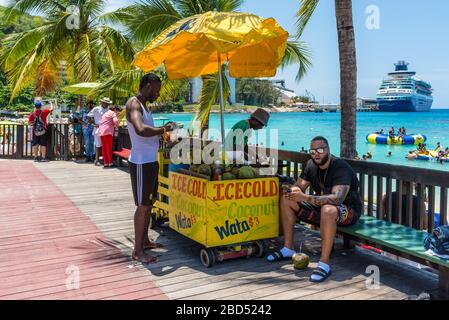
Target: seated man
column 336, row 203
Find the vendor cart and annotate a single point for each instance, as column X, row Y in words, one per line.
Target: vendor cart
column 229, row 218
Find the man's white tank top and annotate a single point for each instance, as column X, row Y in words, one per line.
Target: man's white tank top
column 143, row 149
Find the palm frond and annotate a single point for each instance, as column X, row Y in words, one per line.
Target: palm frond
column 16, row 46
column 150, row 17
column 121, row 84
column 47, row 78
column 228, row 5
column 171, row 89
column 297, row 52
column 305, row 12
column 114, row 46
column 18, row 7
column 24, row 77
column 85, row 61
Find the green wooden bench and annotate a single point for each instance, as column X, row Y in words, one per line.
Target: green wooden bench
column 397, row 239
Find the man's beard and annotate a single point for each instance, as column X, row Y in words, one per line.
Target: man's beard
column 323, row 160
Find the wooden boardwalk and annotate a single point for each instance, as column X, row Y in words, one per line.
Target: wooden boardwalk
column 83, row 217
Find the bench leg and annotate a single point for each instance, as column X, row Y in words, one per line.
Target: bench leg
column 348, row 243
column 443, row 279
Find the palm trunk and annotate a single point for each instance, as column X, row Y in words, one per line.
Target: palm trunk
column 348, row 77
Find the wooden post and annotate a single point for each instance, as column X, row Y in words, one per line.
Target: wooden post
column 19, row 141
column 443, row 280
column 66, row 142
column 51, row 142
column 348, row 243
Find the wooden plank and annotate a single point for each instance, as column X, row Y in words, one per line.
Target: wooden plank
column 409, row 204
column 424, row 176
column 379, row 196
column 443, row 206
column 162, row 205
column 164, row 180
column 163, row 191
column 370, row 194
column 399, row 201
column 431, row 208
column 389, row 198
column 362, row 189
column 295, row 171
column 421, row 205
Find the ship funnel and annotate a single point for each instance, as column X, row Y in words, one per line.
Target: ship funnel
column 401, row 65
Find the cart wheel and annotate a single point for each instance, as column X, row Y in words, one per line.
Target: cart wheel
column 207, row 257
column 261, row 248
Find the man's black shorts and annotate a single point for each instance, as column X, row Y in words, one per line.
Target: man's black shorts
column 39, row 140
column 144, row 181
column 312, row 214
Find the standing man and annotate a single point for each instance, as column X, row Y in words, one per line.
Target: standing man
column 88, row 130
column 97, row 113
column 143, row 165
column 38, row 121
column 336, row 202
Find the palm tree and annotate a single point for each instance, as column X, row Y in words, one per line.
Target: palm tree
column 148, row 18
column 348, row 68
column 86, row 49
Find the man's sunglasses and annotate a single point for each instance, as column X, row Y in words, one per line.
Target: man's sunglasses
column 317, row 150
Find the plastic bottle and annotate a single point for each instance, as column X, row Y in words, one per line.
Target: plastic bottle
column 218, row 171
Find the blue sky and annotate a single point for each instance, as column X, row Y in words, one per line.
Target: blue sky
column 409, row 29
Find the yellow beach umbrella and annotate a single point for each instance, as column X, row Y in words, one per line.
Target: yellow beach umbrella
column 199, row 45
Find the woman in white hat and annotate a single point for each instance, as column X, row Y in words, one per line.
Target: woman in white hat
column 97, row 113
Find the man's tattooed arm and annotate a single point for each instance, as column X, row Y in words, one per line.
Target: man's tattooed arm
column 336, row 198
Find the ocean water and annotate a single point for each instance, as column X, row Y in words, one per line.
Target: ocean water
column 296, row 130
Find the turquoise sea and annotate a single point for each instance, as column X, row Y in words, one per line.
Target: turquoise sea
column 296, row 130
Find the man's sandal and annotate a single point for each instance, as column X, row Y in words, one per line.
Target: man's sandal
column 321, row 273
column 277, row 256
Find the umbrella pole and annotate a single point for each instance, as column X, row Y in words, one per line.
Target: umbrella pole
column 220, row 80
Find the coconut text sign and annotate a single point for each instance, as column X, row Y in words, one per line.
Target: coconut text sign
column 187, row 201
column 216, row 213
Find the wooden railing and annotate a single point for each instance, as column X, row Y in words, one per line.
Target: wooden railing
column 63, row 143
column 425, row 191
column 379, row 182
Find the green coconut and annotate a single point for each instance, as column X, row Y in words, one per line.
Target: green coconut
column 246, row 173
column 300, row 261
column 228, row 176
column 256, row 172
column 235, row 171
column 205, row 169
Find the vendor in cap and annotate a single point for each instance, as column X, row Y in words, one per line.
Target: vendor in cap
column 236, row 142
column 96, row 114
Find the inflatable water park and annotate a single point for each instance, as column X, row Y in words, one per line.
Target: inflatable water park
column 409, row 139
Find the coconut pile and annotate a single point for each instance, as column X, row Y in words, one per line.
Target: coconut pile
column 230, row 172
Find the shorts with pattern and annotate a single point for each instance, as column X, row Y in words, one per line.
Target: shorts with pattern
column 312, row 214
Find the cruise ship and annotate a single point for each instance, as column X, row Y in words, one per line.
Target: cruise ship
column 403, row 91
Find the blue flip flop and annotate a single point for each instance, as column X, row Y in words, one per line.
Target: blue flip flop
column 322, row 273
column 277, row 255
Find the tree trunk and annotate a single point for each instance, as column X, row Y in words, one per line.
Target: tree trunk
column 348, row 77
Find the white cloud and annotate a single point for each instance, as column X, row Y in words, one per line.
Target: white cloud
column 3, row 2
